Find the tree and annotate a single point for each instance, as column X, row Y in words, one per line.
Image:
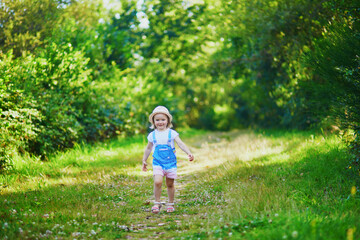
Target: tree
column 25, row 25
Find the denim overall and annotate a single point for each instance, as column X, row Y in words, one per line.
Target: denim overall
column 164, row 154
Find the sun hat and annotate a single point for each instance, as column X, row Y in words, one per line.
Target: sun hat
column 160, row 109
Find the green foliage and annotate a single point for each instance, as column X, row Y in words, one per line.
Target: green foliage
column 121, row 38
column 50, row 103
column 17, row 114
column 25, row 25
column 17, row 128
column 171, row 55
column 86, row 71
column 48, row 99
column 50, row 82
column 85, row 25
column 336, row 65
column 263, row 42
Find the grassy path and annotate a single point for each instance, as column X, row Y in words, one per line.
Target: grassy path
column 242, row 185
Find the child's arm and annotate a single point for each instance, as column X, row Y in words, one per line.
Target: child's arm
column 147, row 152
column 183, row 147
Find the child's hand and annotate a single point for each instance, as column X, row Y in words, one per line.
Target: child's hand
column 144, row 167
column 191, row 157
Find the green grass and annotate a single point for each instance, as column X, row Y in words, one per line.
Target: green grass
column 242, row 185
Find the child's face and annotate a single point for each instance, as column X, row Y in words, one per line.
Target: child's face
column 161, row 121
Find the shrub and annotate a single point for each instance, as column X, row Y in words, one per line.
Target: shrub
column 17, row 127
column 47, row 104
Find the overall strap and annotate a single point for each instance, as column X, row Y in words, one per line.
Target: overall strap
column 154, row 139
column 169, row 138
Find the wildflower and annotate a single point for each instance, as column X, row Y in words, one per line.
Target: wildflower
column 48, row 232
column 270, row 221
column 294, row 234
column 92, row 232
column 276, row 215
column 20, row 230
column 353, row 190
column 350, row 233
column 124, row 227
column 6, row 225
column 75, row 234
column 46, row 215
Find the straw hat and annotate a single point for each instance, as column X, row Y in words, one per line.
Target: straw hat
column 160, row 109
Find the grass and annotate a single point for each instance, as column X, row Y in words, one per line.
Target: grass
column 242, row 185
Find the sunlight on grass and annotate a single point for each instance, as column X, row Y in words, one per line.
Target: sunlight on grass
column 136, row 171
column 71, row 167
column 216, row 151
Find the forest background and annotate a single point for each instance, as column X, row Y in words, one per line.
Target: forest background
column 76, row 71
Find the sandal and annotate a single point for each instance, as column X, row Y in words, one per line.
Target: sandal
column 156, row 208
column 170, row 207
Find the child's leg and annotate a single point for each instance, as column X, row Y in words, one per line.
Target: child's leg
column 158, row 179
column 170, row 189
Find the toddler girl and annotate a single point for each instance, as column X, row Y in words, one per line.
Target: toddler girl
column 161, row 140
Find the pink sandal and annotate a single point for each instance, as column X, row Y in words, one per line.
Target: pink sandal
column 156, row 208
column 170, row 207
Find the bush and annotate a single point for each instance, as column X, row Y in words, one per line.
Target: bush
column 17, row 127
column 47, row 104
column 336, row 65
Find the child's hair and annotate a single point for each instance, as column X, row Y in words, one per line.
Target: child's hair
column 163, row 110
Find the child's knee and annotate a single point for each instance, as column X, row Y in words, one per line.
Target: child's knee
column 170, row 184
column 158, row 183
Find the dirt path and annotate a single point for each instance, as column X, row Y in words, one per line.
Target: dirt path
column 195, row 197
